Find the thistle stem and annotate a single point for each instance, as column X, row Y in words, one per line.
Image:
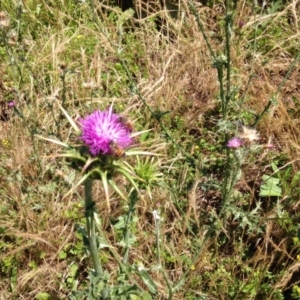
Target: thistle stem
column 127, row 234
column 90, row 226
column 91, row 234
column 157, row 233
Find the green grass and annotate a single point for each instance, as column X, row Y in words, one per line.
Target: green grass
column 223, row 232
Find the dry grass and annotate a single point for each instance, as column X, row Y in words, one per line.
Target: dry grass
column 73, row 61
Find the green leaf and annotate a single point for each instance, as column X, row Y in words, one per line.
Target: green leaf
column 81, row 180
column 71, row 121
column 270, row 187
column 138, row 152
column 147, row 280
column 130, row 179
column 296, row 180
column 116, row 188
column 105, row 186
column 270, row 180
column 270, row 191
column 121, row 224
column 53, row 141
column 286, row 174
column 103, row 244
column 274, row 167
column 73, row 270
column 129, row 242
column 146, row 296
column 43, row 296
column 62, row 255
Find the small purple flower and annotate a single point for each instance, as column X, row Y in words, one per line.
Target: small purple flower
column 102, row 129
column 234, row 143
column 269, row 146
column 11, row 104
column 241, row 23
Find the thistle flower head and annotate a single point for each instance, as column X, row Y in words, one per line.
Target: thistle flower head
column 269, row 146
column 249, row 134
column 234, row 143
column 102, row 129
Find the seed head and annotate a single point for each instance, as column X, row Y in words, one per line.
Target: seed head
column 249, row 135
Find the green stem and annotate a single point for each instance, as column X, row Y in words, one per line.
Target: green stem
column 202, row 29
column 127, row 237
column 91, row 234
column 127, row 234
column 228, row 63
column 90, row 226
column 157, row 232
column 219, row 66
column 252, row 72
column 124, row 267
column 233, row 167
column 273, row 98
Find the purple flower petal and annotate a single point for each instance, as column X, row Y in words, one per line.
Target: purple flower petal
column 234, row 143
column 269, row 146
column 102, row 128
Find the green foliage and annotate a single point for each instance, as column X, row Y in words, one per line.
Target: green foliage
column 43, row 296
column 270, row 187
column 221, row 233
column 296, row 292
column 148, row 170
column 288, row 181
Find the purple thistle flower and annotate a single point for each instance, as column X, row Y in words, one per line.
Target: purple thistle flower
column 103, row 129
column 241, row 23
column 11, row 104
column 234, row 143
column 269, row 146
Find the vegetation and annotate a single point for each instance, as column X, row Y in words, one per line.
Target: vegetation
column 208, row 204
